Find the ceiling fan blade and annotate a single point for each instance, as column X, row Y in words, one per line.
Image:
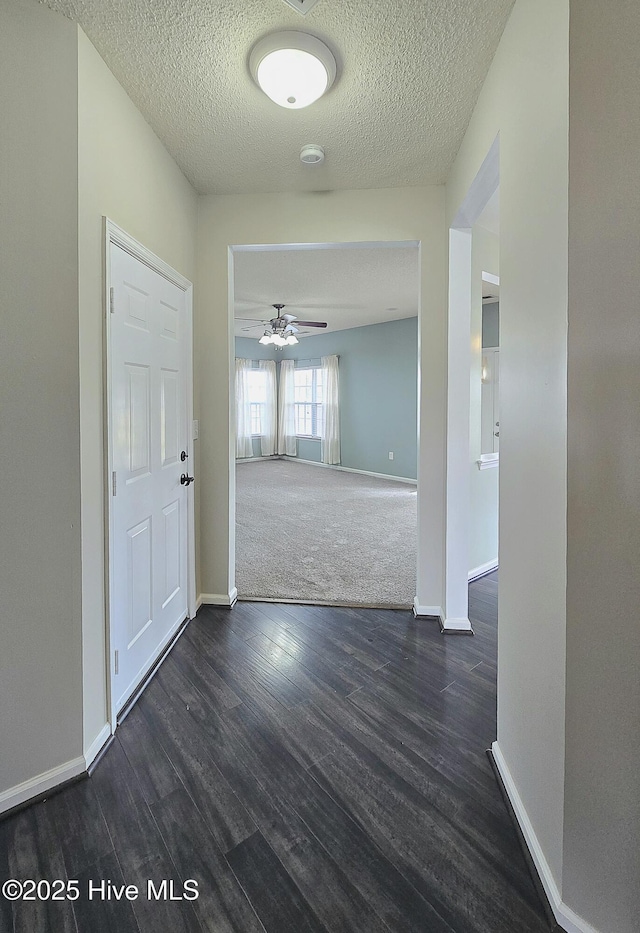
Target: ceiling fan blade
column 288, row 318
column 290, row 329
column 312, row 323
column 257, row 320
column 253, row 326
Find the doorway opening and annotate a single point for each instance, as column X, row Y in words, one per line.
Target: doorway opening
column 326, row 425
column 471, row 512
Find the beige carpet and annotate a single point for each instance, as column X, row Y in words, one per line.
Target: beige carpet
column 310, row 534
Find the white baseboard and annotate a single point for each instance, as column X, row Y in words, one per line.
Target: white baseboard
column 565, row 917
column 343, row 469
column 198, row 602
column 103, row 736
column 219, row 599
column 41, row 783
column 255, row 459
column 483, row 569
column 456, row 625
column 426, row 611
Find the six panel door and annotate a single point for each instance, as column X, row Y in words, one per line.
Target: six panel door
column 149, row 432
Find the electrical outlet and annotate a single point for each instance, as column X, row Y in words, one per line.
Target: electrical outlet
column 390, row 455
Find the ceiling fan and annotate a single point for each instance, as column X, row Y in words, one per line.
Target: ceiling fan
column 280, row 330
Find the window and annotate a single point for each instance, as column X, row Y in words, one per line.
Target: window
column 308, row 399
column 257, row 388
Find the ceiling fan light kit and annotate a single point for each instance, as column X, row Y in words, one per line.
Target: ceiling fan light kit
column 293, row 68
column 281, row 330
column 279, row 340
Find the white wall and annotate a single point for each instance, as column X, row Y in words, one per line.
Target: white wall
column 322, row 217
column 40, row 660
column 525, row 100
column 125, row 173
column 602, row 810
column 483, row 518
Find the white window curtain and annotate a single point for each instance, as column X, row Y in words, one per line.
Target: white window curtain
column 244, row 444
column 330, row 445
column 287, row 444
column 268, row 437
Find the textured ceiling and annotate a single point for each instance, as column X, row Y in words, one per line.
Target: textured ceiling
column 409, row 72
column 345, row 287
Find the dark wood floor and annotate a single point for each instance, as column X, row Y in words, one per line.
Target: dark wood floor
column 313, row 769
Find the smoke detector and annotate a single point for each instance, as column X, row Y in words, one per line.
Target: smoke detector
column 302, row 6
column 312, row 155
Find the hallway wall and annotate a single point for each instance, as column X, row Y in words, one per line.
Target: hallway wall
column 126, row 174
column 602, row 787
column 525, row 100
column 40, row 569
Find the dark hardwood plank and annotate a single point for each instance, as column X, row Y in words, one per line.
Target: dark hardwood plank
column 445, row 798
column 276, row 898
column 317, row 872
column 253, row 621
column 232, row 740
column 331, row 894
column 343, row 636
column 239, row 667
column 7, row 844
column 98, row 915
column 312, row 768
column 155, row 774
column 466, row 770
column 222, row 906
column 34, row 852
column 190, row 753
column 425, row 846
column 139, row 847
column 80, row 826
column 219, row 692
column 393, row 898
column 306, row 669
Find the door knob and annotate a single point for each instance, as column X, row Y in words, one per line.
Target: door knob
column 185, row 480
column 183, row 455
column 496, row 433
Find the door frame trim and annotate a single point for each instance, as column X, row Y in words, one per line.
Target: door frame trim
column 116, row 236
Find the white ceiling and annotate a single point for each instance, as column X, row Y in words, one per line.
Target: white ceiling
column 346, row 287
column 409, row 73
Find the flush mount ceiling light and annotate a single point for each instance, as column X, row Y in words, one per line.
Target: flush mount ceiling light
column 293, row 68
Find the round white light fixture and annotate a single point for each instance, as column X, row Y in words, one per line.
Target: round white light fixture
column 293, row 68
column 312, row 155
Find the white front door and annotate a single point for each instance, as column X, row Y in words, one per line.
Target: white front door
column 149, row 453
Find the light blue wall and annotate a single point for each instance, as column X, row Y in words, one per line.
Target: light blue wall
column 248, row 349
column 378, row 393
